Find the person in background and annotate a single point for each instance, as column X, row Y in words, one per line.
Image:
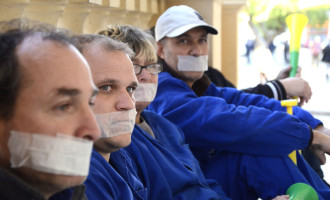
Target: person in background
column 316, row 50
column 159, row 169
column 158, row 152
column 225, row 126
column 281, row 88
column 249, row 46
column 115, row 113
column 326, row 59
column 46, row 122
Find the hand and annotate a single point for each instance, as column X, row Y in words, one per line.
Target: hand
column 282, row 197
column 321, row 143
column 284, row 73
column 297, row 87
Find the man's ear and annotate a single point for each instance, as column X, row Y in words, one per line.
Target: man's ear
column 160, row 50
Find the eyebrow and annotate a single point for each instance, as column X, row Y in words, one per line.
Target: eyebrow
column 106, row 81
column 133, row 83
column 68, row 92
column 111, row 81
column 74, row 92
column 182, row 35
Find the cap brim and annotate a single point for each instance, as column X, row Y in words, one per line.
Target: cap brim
column 183, row 29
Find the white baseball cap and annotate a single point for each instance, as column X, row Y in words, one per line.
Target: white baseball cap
column 177, row 20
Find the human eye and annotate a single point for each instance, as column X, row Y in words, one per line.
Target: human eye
column 130, row 89
column 182, row 41
column 154, row 68
column 64, row 107
column 203, row 40
column 105, row 88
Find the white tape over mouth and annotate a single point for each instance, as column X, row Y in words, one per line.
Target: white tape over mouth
column 145, row 92
column 116, row 123
column 60, row 154
column 193, row 63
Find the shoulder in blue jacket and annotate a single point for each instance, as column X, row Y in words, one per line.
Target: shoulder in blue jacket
column 165, row 165
column 239, row 138
column 104, row 182
column 228, row 123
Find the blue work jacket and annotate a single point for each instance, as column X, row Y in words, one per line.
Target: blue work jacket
column 226, row 128
column 227, row 119
column 166, row 165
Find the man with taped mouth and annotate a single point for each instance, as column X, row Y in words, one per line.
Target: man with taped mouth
column 47, row 126
column 238, row 138
column 113, row 74
column 158, row 150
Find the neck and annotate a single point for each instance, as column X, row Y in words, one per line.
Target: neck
column 137, row 118
column 189, row 83
column 175, row 74
column 106, row 156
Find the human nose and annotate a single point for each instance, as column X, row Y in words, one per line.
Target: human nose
column 144, row 76
column 125, row 102
column 88, row 126
column 196, row 49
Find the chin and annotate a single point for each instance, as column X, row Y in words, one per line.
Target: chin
column 47, row 182
column 112, row 144
column 193, row 76
column 141, row 105
column 123, row 140
column 68, row 181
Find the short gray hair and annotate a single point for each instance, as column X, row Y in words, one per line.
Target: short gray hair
column 85, row 40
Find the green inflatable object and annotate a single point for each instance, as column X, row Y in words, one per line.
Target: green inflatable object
column 302, row 191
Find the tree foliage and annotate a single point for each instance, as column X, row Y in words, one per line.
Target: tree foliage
column 267, row 17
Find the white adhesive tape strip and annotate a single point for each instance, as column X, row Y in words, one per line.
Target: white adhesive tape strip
column 60, row 154
column 145, row 92
column 116, row 123
column 192, row 63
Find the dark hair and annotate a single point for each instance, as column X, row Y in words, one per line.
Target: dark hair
column 10, row 74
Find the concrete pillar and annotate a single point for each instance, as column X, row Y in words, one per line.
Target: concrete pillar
column 138, row 19
column 98, row 19
column 12, row 9
column 44, row 11
column 229, row 39
column 74, row 16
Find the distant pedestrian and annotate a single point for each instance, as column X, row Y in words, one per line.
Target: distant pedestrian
column 271, row 47
column 286, row 51
column 316, row 50
column 249, row 47
column 326, row 59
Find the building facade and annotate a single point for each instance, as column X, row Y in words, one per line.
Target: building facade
column 91, row 16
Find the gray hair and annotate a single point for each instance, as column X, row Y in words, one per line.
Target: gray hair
column 108, row 44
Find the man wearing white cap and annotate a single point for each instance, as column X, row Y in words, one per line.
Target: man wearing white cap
column 238, row 138
column 279, row 89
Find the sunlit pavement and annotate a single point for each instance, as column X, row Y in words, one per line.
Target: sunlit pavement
column 263, row 61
